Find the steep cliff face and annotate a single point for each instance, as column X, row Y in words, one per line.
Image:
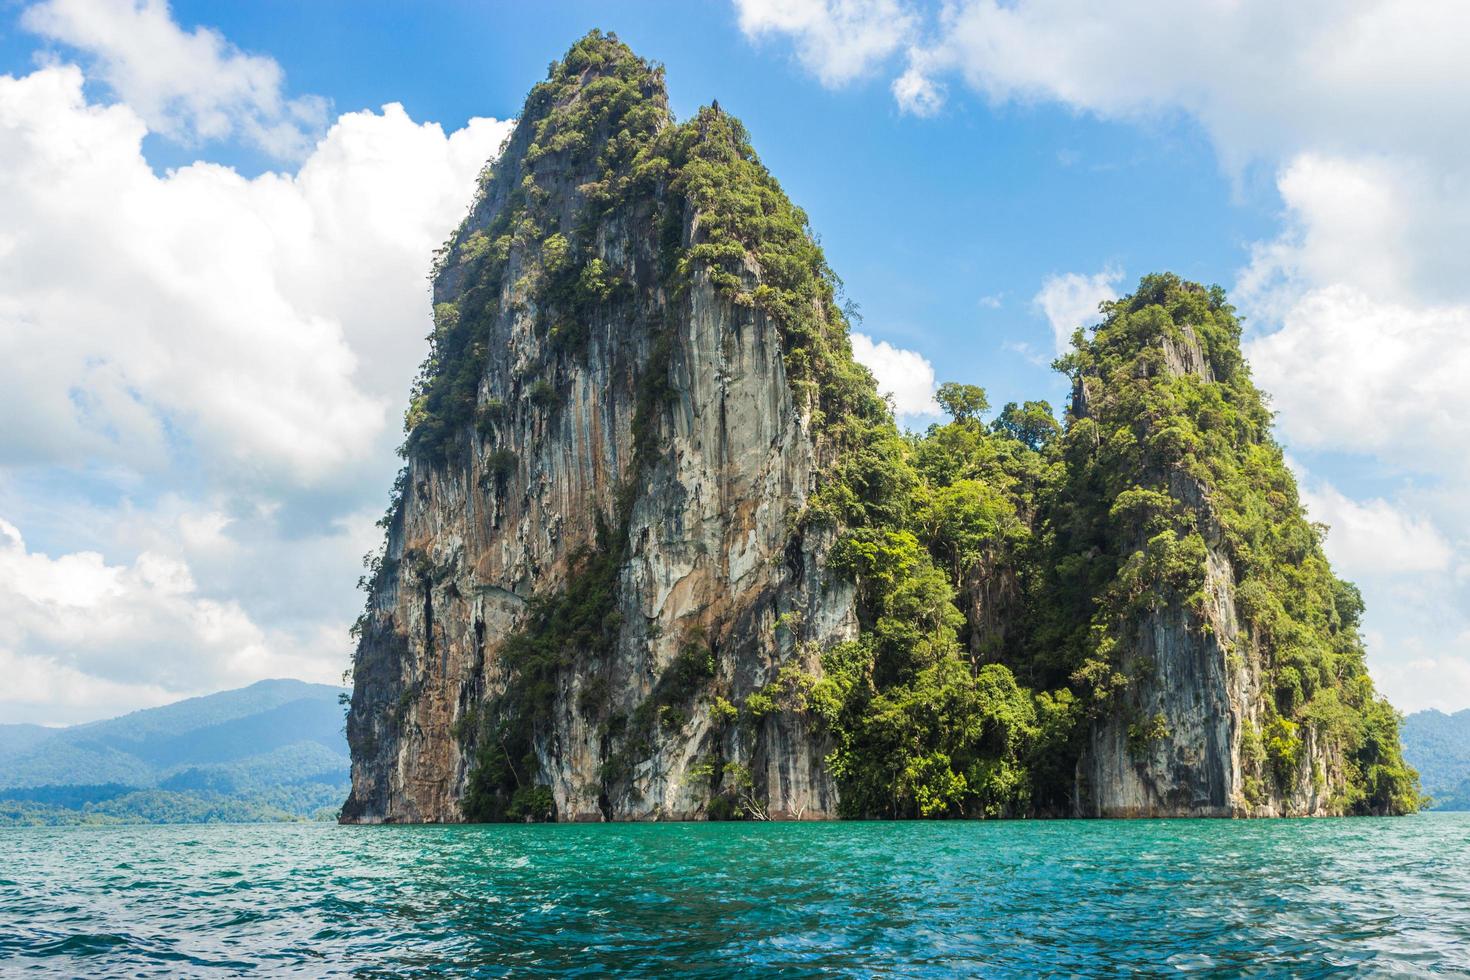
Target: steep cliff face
column 1226, row 653
column 660, row 552
column 1172, row 744
column 622, row 478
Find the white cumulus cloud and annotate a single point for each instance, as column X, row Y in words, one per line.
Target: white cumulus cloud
column 1421, row 682
column 201, row 372
column 1354, row 374
column 837, row 40
column 188, row 85
column 1265, row 78
column 1070, row 301
column 1375, row 537
column 269, row 323
column 904, row 376
column 118, row 635
column 918, row 93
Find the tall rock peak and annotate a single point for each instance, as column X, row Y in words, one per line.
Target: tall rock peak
column 609, row 450
column 1222, row 654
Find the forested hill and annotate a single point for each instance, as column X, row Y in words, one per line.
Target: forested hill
column 1438, row 745
column 274, row 750
column 659, row 549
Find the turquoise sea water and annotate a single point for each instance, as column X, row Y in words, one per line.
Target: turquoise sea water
column 1305, row 897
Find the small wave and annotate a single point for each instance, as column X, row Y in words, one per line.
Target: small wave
column 79, row 944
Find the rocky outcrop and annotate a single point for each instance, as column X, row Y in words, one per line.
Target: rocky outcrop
column 670, row 425
column 1183, row 736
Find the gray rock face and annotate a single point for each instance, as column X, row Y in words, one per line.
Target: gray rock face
column 1181, row 744
column 711, row 552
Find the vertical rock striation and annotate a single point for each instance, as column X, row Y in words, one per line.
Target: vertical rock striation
column 1226, row 652
column 621, row 421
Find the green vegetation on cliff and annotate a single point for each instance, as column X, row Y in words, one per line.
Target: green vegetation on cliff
column 1168, row 445
column 927, row 713
column 699, row 187
column 585, row 126
column 1168, row 451
column 600, row 123
column 1004, row 570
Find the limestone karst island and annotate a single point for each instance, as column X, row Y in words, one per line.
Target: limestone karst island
column 660, row 552
column 760, row 488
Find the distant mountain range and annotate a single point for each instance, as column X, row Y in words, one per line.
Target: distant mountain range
column 275, row 751
column 272, row 751
column 1438, row 745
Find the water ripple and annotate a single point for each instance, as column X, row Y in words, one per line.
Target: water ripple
column 1203, row 898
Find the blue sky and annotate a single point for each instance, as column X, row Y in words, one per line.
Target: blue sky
column 929, row 222
column 218, row 237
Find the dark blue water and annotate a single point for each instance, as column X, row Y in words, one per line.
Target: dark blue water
column 1310, row 898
